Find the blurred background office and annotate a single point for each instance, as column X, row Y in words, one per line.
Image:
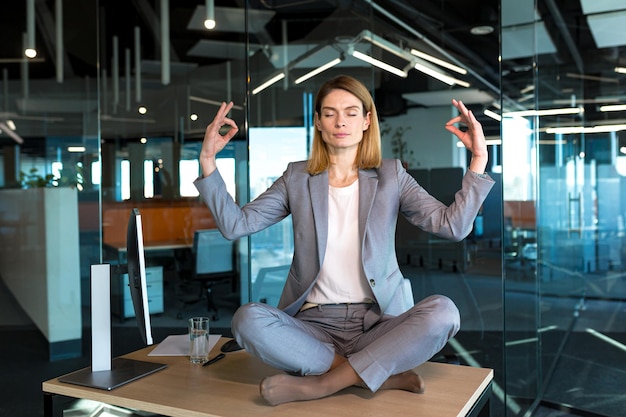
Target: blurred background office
column 103, row 107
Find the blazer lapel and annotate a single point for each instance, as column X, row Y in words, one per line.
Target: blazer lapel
column 318, row 189
column 368, row 183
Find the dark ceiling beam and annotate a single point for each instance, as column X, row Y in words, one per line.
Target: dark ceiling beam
column 565, row 34
column 154, row 23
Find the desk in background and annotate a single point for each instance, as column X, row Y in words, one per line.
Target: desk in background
column 230, row 388
column 121, row 302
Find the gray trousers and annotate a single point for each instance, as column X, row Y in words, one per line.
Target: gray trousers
column 307, row 343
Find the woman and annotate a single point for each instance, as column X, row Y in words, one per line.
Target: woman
column 343, row 318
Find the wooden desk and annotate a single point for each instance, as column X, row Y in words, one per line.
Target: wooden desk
column 230, row 388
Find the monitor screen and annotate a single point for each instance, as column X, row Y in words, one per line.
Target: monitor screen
column 136, row 263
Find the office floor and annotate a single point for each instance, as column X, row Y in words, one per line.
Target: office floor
column 25, row 363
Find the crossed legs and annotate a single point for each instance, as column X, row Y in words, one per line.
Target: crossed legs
column 283, row 388
column 315, row 347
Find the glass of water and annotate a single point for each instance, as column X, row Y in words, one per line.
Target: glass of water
column 198, row 339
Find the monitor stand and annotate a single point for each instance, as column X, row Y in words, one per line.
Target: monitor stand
column 105, row 373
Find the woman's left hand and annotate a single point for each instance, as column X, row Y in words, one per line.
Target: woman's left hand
column 473, row 138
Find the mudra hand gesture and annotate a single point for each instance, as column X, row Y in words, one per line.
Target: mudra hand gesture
column 473, row 138
column 213, row 141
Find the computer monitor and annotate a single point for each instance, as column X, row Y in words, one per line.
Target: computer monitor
column 136, row 265
column 119, row 371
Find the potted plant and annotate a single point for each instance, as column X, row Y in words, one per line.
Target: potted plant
column 399, row 146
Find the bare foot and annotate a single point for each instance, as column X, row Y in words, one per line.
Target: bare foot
column 278, row 389
column 407, row 381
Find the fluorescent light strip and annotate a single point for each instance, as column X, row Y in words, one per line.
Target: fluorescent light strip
column 440, row 76
column 607, row 339
column 613, row 107
column 592, row 78
column 17, row 138
column 492, row 114
column 488, row 142
column 439, row 62
column 379, row 64
column 76, row 149
column 269, row 82
column 583, row 129
column 214, row 102
column 316, row 71
column 620, row 70
column 547, row 112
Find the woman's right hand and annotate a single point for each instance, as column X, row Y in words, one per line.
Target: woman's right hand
column 214, row 142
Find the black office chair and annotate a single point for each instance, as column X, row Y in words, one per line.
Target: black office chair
column 212, row 261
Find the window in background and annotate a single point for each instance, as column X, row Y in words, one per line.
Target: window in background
column 271, row 149
column 148, row 179
column 190, row 170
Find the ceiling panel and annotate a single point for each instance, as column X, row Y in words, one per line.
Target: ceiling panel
column 206, row 48
column 600, row 6
column 526, row 41
column 608, row 29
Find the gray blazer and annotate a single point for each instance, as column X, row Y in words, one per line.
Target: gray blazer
column 383, row 193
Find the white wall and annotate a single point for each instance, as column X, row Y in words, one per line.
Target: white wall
column 39, row 257
column 433, row 146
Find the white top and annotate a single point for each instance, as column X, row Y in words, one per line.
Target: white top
column 341, row 278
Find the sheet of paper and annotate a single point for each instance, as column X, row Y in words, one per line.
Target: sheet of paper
column 178, row 345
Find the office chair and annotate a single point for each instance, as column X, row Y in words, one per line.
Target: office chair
column 212, row 261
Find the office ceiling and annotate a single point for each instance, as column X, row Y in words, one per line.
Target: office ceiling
column 580, row 43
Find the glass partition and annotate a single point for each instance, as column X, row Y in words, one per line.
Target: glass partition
column 563, row 207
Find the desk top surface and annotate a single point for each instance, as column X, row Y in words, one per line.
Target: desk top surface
column 230, row 387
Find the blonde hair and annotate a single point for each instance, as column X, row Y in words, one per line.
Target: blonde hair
column 369, row 153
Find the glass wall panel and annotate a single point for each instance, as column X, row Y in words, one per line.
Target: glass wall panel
column 163, row 75
column 563, row 203
column 49, row 222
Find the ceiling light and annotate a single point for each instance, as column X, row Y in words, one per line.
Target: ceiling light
column 613, row 107
column 316, row 71
column 143, row 140
column 384, row 44
column 30, row 53
column 29, row 49
column 269, row 82
column 142, row 109
column 440, row 76
column 481, row 30
column 17, row 138
column 488, row 142
column 582, row 129
column 379, row 64
column 592, row 78
column 76, row 149
column 11, row 124
column 209, row 21
column 546, row 112
column 492, row 114
column 527, row 89
column 438, row 61
column 193, row 117
column 620, row 70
